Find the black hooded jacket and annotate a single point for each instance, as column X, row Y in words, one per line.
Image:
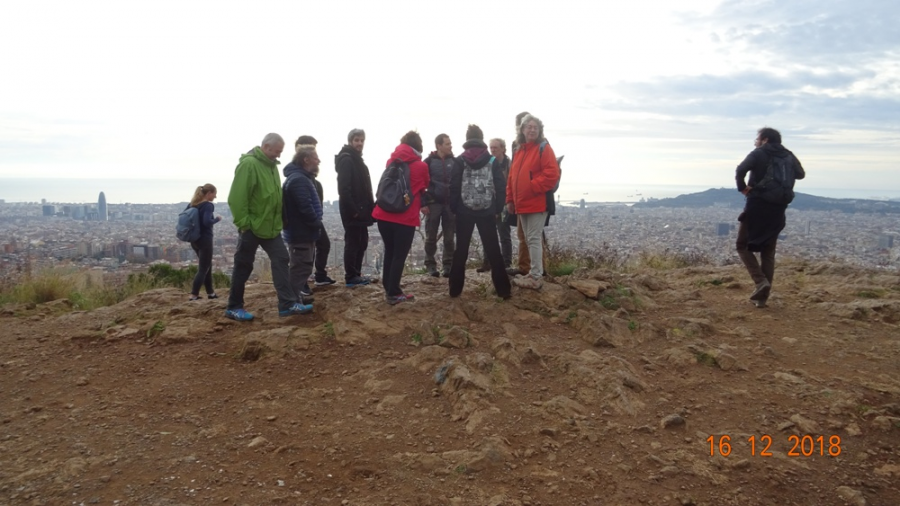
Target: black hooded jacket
column 354, row 188
column 764, row 220
column 477, row 156
column 758, row 160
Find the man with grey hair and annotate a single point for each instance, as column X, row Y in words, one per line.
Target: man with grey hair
column 356, row 203
column 255, row 202
column 497, row 147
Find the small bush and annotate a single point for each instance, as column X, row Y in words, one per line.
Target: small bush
column 668, row 260
column 562, row 261
column 80, row 288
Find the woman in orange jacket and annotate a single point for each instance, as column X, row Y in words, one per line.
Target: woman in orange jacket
column 534, row 173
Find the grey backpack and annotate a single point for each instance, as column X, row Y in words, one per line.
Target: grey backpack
column 477, row 192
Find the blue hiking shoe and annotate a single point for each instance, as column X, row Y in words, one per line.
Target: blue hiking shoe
column 238, row 314
column 296, row 309
column 357, row 281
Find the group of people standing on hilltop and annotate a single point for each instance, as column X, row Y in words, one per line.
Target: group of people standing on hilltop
column 482, row 188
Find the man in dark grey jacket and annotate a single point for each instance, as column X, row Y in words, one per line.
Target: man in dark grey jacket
column 438, row 214
column 769, row 190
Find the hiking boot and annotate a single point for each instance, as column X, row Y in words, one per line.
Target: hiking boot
column 396, row 299
column 528, row 282
column 760, row 303
column 434, row 273
column 212, row 296
column 324, row 281
column 297, row 308
column 238, row 315
column 194, row 297
column 446, row 272
column 762, row 291
column 356, row 281
column 306, row 299
column 306, row 291
column 512, row 271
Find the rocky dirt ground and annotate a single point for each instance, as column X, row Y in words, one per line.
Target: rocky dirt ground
column 603, row 388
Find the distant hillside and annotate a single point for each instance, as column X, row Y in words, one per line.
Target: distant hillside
column 729, row 197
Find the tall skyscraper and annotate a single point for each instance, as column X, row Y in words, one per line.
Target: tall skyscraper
column 103, row 213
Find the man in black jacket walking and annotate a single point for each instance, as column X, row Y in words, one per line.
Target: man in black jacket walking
column 769, row 190
column 356, row 205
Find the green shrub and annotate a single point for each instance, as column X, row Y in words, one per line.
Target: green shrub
column 84, row 294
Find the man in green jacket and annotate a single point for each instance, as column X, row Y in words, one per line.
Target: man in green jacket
column 255, row 202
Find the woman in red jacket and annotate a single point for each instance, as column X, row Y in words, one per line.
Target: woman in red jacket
column 398, row 229
column 533, row 173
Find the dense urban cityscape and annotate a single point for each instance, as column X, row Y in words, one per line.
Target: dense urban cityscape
column 118, row 240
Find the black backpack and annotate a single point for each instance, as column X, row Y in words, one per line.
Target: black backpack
column 777, row 186
column 394, row 194
column 551, row 195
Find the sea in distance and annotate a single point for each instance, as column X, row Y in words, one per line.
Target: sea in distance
column 165, row 191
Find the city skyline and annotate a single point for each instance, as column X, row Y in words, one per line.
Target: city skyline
column 643, row 93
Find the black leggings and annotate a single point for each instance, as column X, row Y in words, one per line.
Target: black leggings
column 397, row 240
column 204, row 249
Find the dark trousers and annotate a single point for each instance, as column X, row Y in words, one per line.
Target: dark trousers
column 397, row 241
column 758, row 272
column 505, row 242
column 247, row 244
column 356, row 240
column 203, row 247
column 487, row 230
column 503, row 230
column 323, row 248
column 439, row 216
column 301, row 266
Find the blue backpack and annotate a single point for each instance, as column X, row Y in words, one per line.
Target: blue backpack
column 188, row 227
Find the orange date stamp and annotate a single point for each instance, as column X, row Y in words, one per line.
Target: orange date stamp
column 801, row 446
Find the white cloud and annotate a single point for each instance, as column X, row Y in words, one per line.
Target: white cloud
column 635, row 92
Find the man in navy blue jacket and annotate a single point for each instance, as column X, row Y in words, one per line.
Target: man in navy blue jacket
column 302, row 216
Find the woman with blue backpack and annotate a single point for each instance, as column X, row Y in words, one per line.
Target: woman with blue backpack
column 202, row 200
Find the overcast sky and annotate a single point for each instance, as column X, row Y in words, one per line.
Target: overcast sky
column 639, row 92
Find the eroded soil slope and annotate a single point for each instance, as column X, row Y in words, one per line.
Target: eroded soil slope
column 603, row 388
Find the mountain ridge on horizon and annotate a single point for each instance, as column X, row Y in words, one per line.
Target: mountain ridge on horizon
column 729, row 197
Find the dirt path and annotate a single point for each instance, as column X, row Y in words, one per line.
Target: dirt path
column 549, row 398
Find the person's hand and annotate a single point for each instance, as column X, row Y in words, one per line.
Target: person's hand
column 425, row 210
column 746, row 190
column 511, row 208
column 218, row 218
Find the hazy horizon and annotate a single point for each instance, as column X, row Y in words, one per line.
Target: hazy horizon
column 121, row 191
